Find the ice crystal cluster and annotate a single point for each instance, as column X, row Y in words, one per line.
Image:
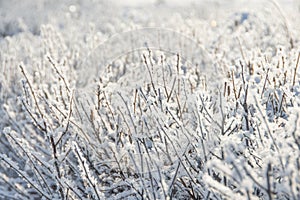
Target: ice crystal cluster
column 159, row 100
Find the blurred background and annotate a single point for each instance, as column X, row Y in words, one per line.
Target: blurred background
column 18, row 16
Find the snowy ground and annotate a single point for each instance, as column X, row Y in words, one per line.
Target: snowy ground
column 154, row 99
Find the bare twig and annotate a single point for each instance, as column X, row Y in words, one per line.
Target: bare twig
column 150, row 74
column 295, row 71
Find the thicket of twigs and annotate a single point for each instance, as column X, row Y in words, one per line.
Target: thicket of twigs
column 151, row 124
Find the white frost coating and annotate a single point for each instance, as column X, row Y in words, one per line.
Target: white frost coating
column 172, row 100
column 220, row 188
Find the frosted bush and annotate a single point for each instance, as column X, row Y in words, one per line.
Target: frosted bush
column 210, row 112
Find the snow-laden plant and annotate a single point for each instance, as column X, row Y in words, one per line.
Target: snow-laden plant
column 152, row 124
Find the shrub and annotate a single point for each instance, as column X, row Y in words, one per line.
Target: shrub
column 152, row 124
